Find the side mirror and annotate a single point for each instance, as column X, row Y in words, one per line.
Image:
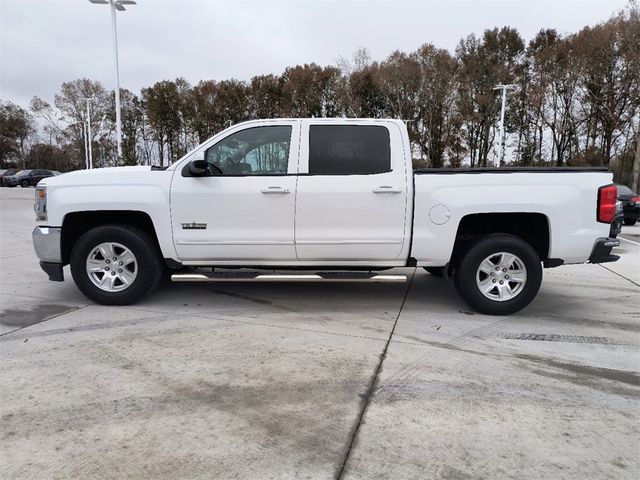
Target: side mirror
column 198, row 168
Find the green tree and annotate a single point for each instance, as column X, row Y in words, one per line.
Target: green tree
column 16, row 124
column 53, row 157
column 608, row 54
column 132, row 116
column 436, row 127
column 163, row 105
column 265, row 96
column 484, row 63
column 310, row 91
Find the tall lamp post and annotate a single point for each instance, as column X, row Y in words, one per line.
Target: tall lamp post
column 83, row 129
column 116, row 5
column 89, row 137
column 86, row 145
column 504, row 89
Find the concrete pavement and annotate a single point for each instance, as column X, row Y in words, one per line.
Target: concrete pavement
column 316, row 381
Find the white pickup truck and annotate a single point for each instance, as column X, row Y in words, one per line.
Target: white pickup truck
column 320, row 200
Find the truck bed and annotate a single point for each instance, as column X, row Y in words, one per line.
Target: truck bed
column 566, row 204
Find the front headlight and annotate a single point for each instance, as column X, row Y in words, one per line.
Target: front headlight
column 40, row 207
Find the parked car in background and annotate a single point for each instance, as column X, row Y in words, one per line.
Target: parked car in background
column 630, row 204
column 28, row 178
column 6, row 173
column 13, row 180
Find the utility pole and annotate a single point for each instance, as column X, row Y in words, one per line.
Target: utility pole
column 86, row 145
column 89, row 131
column 504, row 88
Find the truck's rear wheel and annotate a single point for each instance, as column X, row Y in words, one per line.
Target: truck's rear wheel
column 499, row 275
column 116, row 264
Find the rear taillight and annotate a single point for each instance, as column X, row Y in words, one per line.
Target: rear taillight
column 607, row 197
column 635, row 200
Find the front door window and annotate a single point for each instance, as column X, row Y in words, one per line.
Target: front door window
column 254, row 151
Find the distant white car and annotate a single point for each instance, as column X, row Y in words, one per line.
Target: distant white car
column 326, row 199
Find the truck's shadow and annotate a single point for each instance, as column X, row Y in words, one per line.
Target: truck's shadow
column 292, row 297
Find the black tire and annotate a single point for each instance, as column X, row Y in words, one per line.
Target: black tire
column 435, row 271
column 24, row 183
column 468, row 266
column 150, row 267
column 630, row 221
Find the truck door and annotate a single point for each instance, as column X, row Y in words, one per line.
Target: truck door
column 242, row 211
column 351, row 202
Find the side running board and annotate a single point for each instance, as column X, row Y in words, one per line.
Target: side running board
column 287, row 277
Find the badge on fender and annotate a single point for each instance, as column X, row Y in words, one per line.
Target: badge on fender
column 194, row 226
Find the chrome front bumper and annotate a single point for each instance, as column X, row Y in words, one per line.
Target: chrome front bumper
column 46, row 242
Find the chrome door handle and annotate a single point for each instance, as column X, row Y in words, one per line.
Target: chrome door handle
column 276, row 190
column 387, row 189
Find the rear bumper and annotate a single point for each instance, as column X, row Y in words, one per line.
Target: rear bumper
column 601, row 252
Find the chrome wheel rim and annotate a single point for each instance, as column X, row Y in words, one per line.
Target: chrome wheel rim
column 501, row 276
column 112, row 267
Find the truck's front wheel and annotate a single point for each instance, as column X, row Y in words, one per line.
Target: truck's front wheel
column 116, row 264
column 499, row 275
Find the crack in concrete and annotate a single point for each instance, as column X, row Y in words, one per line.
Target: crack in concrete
column 620, row 275
column 366, row 399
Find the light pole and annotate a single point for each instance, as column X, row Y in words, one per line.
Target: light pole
column 83, row 126
column 116, row 5
column 89, row 138
column 504, row 89
column 86, row 145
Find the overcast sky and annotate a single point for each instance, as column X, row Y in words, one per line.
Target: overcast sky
column 46, row 42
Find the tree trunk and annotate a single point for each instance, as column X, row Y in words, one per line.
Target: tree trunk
column 541, row 140
column 161, row 150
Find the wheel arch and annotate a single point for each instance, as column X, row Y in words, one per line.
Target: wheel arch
column 75, row 224
column 533, row 228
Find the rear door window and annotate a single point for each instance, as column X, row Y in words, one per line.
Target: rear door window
column 349, row 150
